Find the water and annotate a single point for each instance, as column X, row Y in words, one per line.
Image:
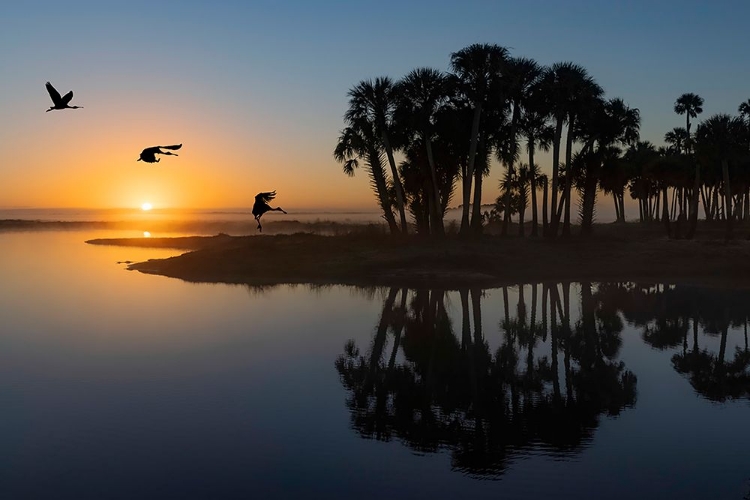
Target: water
column 116, row 384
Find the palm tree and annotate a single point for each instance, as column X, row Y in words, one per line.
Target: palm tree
column 570, row 91
column 520, row 75
column 690, row 105
column 476, row 69
column 359, row 141
column 586, row 93
column 421, row 93
column 539, row 134
column 374, row 101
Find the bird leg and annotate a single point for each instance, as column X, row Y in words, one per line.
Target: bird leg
column 279, row 209
column 257, row 218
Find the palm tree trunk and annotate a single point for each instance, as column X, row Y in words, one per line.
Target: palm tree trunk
column 561, row 206
column 727, row 198
column 437, row 212
column 694, row 202
column 521, row 212
column 476, row 207
column 534, row 220
column 640, row 209
column 508, row 188
column 568, row 176
column 378, row 179
column 552, row 233
column 396, row 182
column 469, row 177
column 716, row 202
column 617, row 207
column 545, row 222
column 665, row 212
column 621, row 201
column 706, row 203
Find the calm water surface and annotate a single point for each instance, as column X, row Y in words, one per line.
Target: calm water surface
column 115, row 384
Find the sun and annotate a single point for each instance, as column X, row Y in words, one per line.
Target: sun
column 146, row 207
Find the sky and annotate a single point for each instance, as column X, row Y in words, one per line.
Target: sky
column 256, row 90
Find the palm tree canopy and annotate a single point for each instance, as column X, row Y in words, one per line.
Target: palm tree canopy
column 519, row 75
column 420, row 94
column 677, row 138
column 478, row 68
column 722, row 137
column 569, row 88
column 373, row 101
column 744, row 109
column 689, row 103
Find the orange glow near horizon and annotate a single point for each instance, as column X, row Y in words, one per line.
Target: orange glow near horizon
column 88, row 159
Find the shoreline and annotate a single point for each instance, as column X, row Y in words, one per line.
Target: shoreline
column 621, row 254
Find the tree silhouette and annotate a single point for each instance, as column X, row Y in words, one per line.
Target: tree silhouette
column 476, row 70
column 359, row 141
column 374, row 102
column 420, row 95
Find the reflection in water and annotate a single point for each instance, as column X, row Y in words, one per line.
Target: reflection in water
column 543, row 388
column 671, row 316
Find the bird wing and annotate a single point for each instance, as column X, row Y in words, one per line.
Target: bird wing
column 54, row 94
column 173, row 148
column 67, row 97
column 152, row 150
column 265, row 197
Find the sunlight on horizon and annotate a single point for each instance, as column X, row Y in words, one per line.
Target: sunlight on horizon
column 146, row 206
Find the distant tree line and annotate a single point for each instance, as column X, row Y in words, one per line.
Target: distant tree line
column 447, row 128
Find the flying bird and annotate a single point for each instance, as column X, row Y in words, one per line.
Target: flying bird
column 261, row 206
column 149, row 154
column 60, row 102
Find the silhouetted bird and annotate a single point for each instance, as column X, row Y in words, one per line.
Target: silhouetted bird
column 261, row 206
column 149, row 154
column 60, row 102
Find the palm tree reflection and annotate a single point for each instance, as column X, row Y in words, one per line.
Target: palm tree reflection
column 669, row 318
column 449, row 391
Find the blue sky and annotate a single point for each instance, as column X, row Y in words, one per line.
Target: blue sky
column 258, row 89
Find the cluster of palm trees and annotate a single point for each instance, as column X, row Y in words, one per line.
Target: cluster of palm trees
column 447, row 128
column 710, row 168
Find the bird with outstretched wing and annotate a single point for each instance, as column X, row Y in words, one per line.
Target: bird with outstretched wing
column 261, row 206
column 60, row 102
column 149, row 154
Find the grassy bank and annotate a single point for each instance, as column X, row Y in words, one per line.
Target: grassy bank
column 630, row 252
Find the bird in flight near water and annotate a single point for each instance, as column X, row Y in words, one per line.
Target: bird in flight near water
column 60, row 102
column 261, row 206
column 149, row 154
